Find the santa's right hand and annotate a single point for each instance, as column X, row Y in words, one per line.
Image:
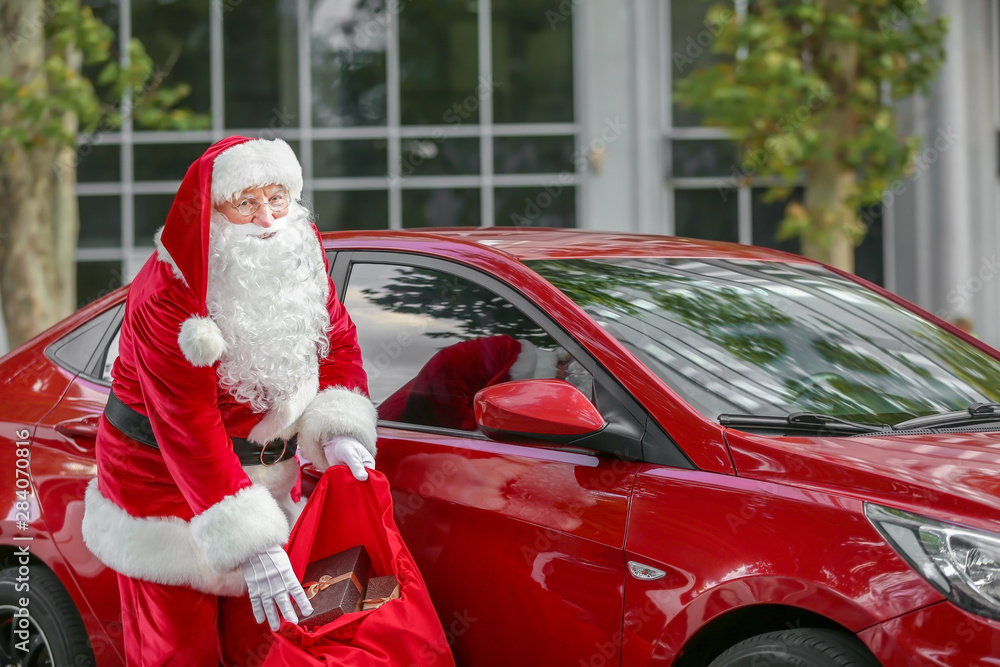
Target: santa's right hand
column 348, row 451
column 272, row 586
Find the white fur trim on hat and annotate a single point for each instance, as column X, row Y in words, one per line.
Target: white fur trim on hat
column 254, row 164
column 164, row 256
column 157, row 549
column 239, row 526
column 336, row 411
column 201, row 341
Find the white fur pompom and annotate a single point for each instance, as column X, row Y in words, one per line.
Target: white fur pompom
column 201, row 341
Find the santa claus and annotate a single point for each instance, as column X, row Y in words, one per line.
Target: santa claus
column 234, row 353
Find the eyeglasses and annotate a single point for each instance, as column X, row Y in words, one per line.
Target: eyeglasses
column 249, row 205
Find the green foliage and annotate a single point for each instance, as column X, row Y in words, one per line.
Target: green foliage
column 804, row 84
column 73, row 35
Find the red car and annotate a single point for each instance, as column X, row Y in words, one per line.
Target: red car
column 736, row 457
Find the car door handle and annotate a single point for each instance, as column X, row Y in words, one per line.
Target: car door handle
column 79, row 428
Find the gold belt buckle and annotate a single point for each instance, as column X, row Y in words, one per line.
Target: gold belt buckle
column 284, row 448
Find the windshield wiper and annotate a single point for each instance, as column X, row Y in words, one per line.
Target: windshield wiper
column 976, row 411
column 801, row 421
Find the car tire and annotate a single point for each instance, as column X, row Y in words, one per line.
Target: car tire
column 56, row 634
column 801, row 647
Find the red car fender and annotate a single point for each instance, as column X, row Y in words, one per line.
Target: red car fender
column 846, row 574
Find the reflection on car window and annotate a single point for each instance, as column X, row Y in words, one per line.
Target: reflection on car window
column 109, row 360
column 431, row 340
column 772, row 338
column 79, row 350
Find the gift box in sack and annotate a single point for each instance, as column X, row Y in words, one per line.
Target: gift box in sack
column 340, row 514
column 334, row 585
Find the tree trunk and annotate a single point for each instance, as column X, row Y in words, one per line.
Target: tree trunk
column 36, row 252
column 832, row 233
column 829, row 237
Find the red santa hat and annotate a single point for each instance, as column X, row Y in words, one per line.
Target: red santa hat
column 227, row 169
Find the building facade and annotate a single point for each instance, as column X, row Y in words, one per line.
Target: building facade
column 421, row 113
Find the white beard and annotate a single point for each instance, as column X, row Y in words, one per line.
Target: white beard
column 268, row 296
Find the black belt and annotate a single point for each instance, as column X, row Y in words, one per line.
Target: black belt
column 137, row 427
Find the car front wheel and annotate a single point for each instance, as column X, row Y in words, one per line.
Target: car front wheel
column 801, row 647
column 48, row 631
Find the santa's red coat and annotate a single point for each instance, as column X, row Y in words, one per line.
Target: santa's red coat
column 187, row 513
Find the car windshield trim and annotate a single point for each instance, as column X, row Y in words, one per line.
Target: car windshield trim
column 976, row 412
column 805, row 421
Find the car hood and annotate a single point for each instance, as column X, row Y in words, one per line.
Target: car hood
column 953, row 476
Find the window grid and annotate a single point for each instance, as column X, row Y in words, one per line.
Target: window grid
column 393, row 133
column 127, row 169
column 486, row 201
column 744, row 193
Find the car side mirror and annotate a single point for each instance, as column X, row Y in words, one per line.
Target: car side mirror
column 551, row 410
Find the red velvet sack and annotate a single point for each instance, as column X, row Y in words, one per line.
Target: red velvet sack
column 341, row 513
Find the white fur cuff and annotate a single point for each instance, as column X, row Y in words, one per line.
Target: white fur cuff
column 336, row 411
column 239, row 526
column 156, row 549
column 201, row 341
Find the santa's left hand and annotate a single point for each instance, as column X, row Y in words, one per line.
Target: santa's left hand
column 345, row 450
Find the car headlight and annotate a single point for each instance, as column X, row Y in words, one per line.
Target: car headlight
column 963, row 563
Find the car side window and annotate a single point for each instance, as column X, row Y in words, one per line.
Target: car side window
column 85, row 349
column 109, row 358
column 430, row 340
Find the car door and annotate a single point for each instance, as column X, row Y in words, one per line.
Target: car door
column 521, row 545
column 62, row 464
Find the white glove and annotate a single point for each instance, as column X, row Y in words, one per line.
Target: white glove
column 270, row 581
column 345, row 450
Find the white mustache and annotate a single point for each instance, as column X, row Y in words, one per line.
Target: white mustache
column 253, row 229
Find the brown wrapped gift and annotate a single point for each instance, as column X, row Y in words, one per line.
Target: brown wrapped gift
column 380, row 590
column 334, row 585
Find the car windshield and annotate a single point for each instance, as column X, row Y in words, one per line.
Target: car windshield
column 769, row 338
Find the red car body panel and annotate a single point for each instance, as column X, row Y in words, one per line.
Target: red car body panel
column 41, row 395
column 958, row 476
column 744, row 554
column 525, row 547
column 939, row 635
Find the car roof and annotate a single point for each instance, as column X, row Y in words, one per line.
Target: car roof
column 529, row 243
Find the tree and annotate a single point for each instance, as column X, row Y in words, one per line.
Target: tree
column 807, row 89
column 49, row 97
